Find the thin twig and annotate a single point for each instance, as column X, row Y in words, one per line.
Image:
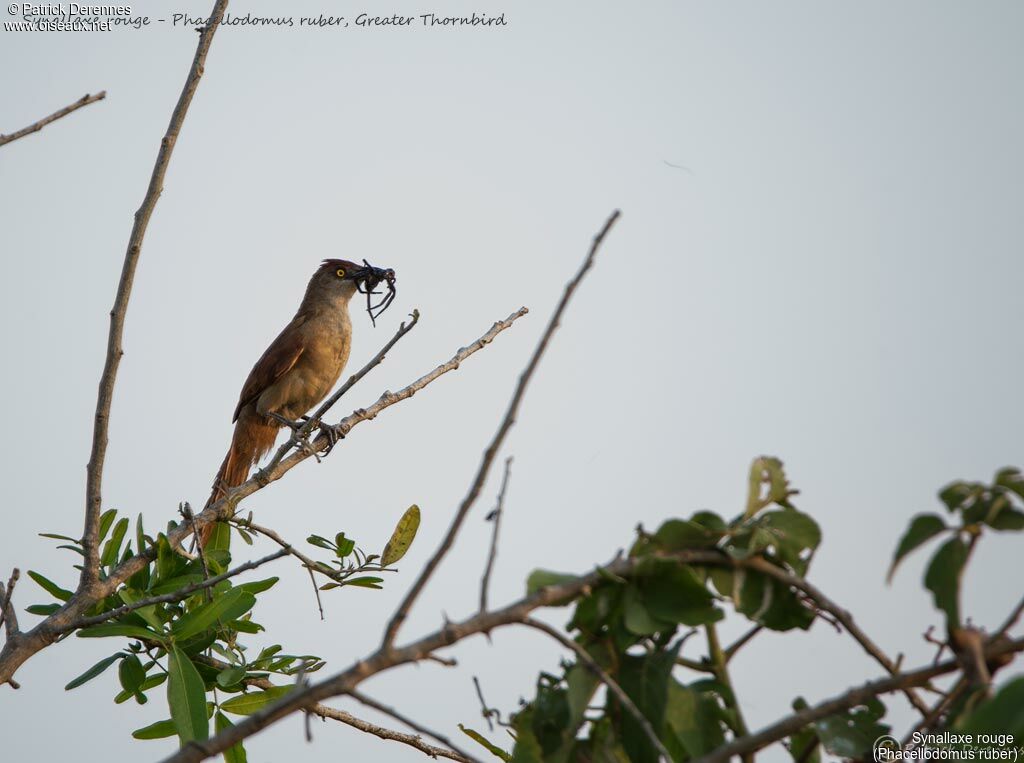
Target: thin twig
column 730, row 652
column 495, row 517
column 1011, row 619
column 499, row 437
column 584, row 656
column 417, row 727
column 318, row 415
column 173, row 596
column 85, row 100
column 105, row 394
column 485, row 711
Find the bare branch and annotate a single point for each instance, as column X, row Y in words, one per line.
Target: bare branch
column 793, row 723
column 607, row 680
column 499, row 437
column 85, row 100
column 181, row 593
column 730, row 652
column 495, row 517
column 418, row 728
column 105, row 394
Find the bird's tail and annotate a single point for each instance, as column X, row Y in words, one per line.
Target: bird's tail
column 254, row 435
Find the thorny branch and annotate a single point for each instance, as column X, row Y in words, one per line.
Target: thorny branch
column 499, row 437
column 85, row 100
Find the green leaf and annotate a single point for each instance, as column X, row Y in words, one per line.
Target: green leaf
column 1002, row 714
column 131, row 674
column 645, row 681
column 345, row 546
column 695, row 717
column 402, row 537
column 366, row 581
column 92, row 672
column 922, row 528
column 186, row 696
column 112, row 550
column 853, row 733
column 543, row 578
column 130, row 596
column 672, row 592
column 1008, row 519
column 235, row 753
column 150, row 683
column 56, row 536
column 320, row 542
column 158, row 730
column 50, row 587
column 485, row 743
column 42, row 609
column 230, row 676
column 257, row 586
column 1012, row 479
column 106, row 520
column 677, row 534
column 229, row 606
column 120, row 629
column 636, row 616
column 942, row 578
column 250, row 702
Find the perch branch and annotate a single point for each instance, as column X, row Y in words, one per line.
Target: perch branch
column 85, row 100
column 499, row 437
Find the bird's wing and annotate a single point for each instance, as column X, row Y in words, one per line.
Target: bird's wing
column 279, row 358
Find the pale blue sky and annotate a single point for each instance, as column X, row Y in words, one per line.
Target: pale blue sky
column 835, row 279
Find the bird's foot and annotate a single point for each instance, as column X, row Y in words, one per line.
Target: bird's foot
column 299, row 439
column 333, row 435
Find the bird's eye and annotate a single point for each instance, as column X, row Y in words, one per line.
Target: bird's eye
column 340, row 272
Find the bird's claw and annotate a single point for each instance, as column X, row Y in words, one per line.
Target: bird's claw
column 299, row 439
column 333, row 434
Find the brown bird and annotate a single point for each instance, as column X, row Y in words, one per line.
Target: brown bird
column 299, row 368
